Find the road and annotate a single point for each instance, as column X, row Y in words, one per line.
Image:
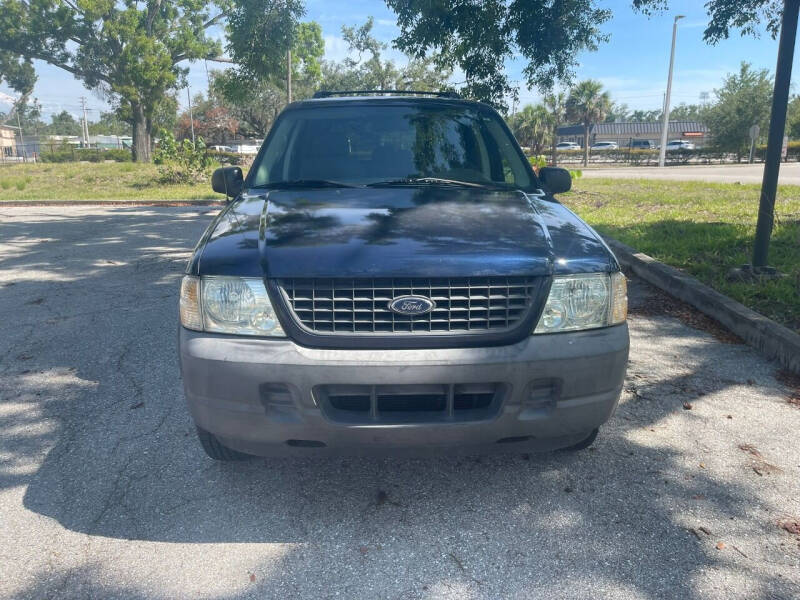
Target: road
column 105, row 492
column 744, row 173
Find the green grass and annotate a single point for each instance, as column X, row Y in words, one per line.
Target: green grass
column 81, row 182
column 704, row 229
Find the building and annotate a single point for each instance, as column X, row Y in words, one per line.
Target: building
column 8, row 143
column 624, row 133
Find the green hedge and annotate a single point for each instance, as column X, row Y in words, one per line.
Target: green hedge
column 88, row 154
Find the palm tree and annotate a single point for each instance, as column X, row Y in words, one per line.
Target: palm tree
column 531, row 126
column 555, row 103
column 587, row 104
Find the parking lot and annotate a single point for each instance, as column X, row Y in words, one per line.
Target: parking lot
column 691, row 490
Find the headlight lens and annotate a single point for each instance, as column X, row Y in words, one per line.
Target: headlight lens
column 584, row 302
column 237, row 305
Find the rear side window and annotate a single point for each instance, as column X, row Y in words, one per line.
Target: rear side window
column 363, row 144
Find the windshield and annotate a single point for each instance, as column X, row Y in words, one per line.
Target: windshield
column 372, row 144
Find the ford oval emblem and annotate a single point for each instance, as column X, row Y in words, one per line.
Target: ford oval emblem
column 412, row 305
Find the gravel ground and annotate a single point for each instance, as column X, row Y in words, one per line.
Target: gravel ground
column 105, row 492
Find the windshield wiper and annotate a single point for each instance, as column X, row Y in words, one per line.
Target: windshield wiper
column 304, row 183
column 433, row 180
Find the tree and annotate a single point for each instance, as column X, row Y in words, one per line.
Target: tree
column 255, row 102
column 531, row 127
column 366, row 69
column 724, row 15
column 556, row 104
column 480, row 36
column 743, row 101
column 20, row 76
column 131, row 51
column 645, row 116
column 686, row 112
column 587, row 104
column 618, row 111
column 212, row 121
column 63, row 123
column 109, row 124
column 793, row 118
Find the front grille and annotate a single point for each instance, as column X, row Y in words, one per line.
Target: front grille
column 361, row 306
column 409, row 403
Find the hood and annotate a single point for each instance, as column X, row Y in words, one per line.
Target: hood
column 402, row 232
column 429, row 231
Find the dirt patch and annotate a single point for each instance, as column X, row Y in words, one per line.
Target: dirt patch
column 657, row 303
column 792, row 382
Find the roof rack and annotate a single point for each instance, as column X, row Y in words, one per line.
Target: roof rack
column 329, row 93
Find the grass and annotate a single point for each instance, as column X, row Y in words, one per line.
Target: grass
column 704, row 229
column 82, row 182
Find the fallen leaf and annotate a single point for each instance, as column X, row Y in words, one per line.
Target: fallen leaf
column 687, row 406
column 720, row 546
column 702, row 466
column 252, row 577
column 791, row 525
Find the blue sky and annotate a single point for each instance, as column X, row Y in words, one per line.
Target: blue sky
column 632, row 65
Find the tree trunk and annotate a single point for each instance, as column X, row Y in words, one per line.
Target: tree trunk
column 141, row 135
column 554, row 150
column 585, row 145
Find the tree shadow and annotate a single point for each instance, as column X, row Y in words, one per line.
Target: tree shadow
column 93, row 425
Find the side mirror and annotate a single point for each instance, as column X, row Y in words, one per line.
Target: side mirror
column 228, row 181
column 555, row 179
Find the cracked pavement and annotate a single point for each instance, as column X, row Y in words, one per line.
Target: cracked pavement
column 689, row 492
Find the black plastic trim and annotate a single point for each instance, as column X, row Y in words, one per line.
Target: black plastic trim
column 479, row 339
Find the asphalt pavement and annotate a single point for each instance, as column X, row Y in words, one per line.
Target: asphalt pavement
column 689, row 492
column 741, row 173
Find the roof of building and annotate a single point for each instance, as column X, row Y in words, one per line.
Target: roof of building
column 634, row 129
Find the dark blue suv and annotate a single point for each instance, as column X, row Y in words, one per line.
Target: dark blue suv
column 392, row 274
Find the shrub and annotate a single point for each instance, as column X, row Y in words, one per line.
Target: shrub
column 181, row 162
column 21, row 185
column 64, row 154
column 5, row 184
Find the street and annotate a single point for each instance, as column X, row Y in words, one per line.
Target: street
column 689, row 492
column 742, row 173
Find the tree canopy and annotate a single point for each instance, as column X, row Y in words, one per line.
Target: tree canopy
column 131, row 52
column 479, row 37
column 587, row 104
column 743, row 100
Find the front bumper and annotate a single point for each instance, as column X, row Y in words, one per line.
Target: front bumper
column 231, row 382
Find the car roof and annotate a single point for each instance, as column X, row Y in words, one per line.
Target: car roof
column 362, row 100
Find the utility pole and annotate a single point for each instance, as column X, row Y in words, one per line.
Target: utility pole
column 662, row 155
column 85, row 124
column 777, row 125
column 289, row 76
column 21, row 139
column 191, row 117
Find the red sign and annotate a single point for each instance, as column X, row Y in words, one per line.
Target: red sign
column 693, row 134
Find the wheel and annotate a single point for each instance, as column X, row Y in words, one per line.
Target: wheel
column 583, row 444
column 216, row 450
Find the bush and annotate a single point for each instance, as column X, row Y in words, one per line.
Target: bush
column 64, row 154
column 182, row 162
column 231, row 158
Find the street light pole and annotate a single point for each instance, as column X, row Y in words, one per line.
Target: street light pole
column 662, row 155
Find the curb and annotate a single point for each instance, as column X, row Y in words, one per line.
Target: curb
column 21, row 203
column 771, row 339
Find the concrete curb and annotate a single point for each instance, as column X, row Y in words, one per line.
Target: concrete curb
column 772, row 340
column 112, row 203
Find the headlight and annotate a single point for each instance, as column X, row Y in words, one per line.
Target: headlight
column 584, row 302
column 237, row 305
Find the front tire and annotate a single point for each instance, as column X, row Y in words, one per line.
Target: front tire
column 583, row 444
column 214, row 449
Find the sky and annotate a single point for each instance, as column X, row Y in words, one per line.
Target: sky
column 632, row 65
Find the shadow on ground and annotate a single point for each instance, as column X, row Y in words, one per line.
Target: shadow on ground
column 94, row 427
